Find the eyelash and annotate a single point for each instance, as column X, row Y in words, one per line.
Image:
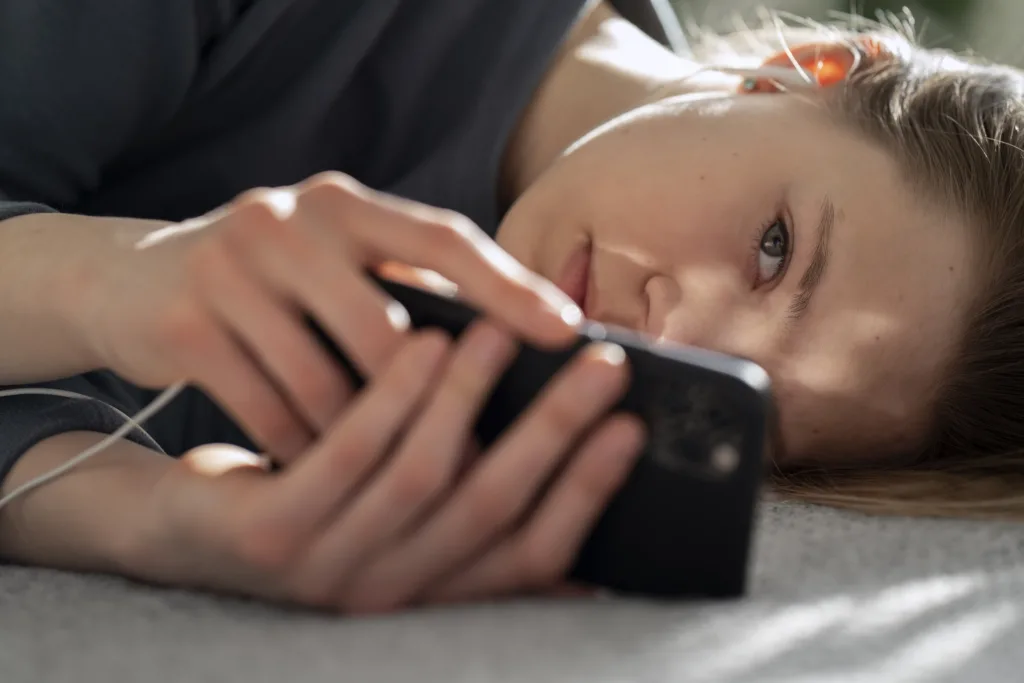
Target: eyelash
column 759, row 237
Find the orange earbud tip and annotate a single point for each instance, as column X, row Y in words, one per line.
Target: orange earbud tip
column 827, row 67
column 829, row 73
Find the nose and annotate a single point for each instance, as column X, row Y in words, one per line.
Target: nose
column 694, row 308
column 663, row 295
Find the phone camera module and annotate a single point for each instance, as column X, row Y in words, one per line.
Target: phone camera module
column 693, row 430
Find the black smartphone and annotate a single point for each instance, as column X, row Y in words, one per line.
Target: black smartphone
column 682, row 523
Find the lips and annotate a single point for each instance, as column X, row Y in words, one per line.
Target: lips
column 575, row 277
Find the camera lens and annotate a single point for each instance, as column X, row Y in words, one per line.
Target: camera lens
column 693, row 429
column 725, row 458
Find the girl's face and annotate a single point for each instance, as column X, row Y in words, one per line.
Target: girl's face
column 755, row 226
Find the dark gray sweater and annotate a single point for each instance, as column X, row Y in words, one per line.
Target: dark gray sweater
column 166, row 109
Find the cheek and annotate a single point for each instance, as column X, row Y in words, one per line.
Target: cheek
column 672, row 223
column 849, row 390
column 674, row 205
column 667, row 196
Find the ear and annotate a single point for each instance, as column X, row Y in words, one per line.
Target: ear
column 821, row 63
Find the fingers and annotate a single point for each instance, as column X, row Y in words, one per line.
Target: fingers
column 389, row 228
column 315, row 488
column 277, row 254
column 542, row 553
column 425, row 464
column 497, row 493
column 286, row 252
column 297, row 261
column 276, row 336
column 229, row 375
column 282, row 537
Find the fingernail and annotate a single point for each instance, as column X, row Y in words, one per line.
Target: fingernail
column 571, row 314
column 398, row 316
column 613, row 354
column 558, row 303
column 599, row 380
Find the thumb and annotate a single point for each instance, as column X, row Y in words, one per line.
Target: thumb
column 214, row 460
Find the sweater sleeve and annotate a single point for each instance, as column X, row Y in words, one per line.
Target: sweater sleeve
column 80, row 81
column 101, row 404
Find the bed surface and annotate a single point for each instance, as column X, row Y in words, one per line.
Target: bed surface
column 834, row 597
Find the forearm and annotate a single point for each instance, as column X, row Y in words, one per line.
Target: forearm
column 48, row 266
column 605, row 68
column 91, row 519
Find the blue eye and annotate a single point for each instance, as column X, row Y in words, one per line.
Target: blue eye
column 773, row 251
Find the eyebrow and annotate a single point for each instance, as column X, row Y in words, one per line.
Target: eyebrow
column 819, row 262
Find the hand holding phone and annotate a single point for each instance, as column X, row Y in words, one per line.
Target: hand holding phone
column 681, row 524
column 384, row 511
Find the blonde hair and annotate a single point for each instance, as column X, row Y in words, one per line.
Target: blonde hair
column 956, row 127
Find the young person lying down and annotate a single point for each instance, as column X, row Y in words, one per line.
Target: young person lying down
column 848, row 214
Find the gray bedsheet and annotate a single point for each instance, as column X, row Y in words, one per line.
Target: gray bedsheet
column 834, row 597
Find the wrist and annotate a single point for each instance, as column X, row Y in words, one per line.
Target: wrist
column 95, row 518
column 133, row 546
column 81, row 288
column 64, row 301
column 55, row 272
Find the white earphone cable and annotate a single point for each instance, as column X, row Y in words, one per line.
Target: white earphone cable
column 131, row 423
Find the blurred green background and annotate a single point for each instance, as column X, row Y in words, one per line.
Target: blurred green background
column 990, row 28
